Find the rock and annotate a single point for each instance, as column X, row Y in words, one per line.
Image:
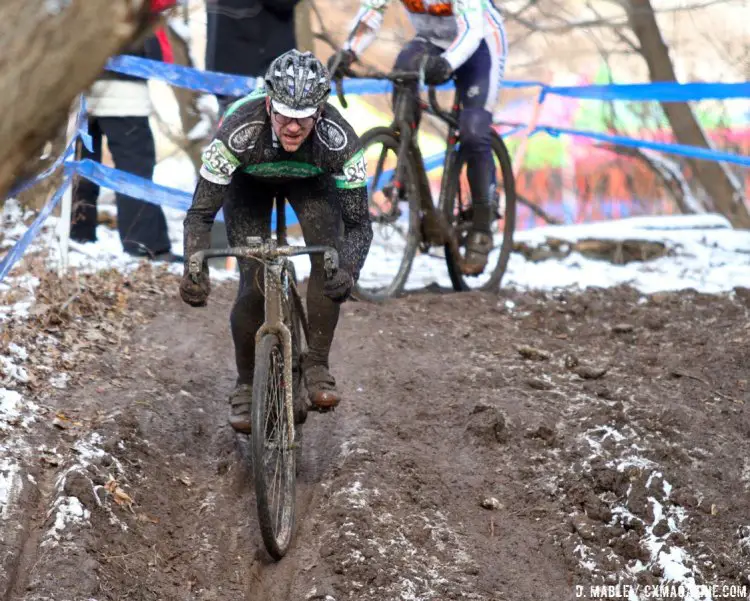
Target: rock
column 661, row 528
column 622, row 328
column 539, row 384
column 590, row 372
column 543, row 432
column 488, row 424
column 533, row 354
column 585, row 527
column 630, row 547
column 491, row 503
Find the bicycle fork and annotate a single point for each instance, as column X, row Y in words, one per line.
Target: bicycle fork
column 274, row 324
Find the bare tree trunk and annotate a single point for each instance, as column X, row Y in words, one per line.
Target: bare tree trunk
column 715, row 177
column 303, row 27
column 52, row 50
column 37, row 196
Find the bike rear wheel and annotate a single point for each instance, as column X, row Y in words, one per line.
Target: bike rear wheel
column 459, row 215
column 273, row 452
column 394, row 213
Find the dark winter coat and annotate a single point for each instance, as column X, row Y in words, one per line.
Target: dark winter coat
column 244, row 36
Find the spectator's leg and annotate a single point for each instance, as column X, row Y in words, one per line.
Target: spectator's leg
column 142, row 225
column 83, row 218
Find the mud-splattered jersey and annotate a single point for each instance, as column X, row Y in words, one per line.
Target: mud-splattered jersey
column 245, row 146
column 457, row 26
column 246, row 143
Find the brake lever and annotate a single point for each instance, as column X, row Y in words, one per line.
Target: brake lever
column 340, row 92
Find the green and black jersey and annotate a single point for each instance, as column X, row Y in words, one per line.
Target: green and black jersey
column 245, row 142
column 245, row 148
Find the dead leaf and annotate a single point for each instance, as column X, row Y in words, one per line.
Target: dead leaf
column 61, row 423
column 119, row 495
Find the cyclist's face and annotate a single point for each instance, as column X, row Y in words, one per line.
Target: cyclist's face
column 290, row 131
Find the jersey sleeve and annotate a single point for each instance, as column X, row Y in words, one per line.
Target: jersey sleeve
column 469, row 15
column 237, row 132
column 365, row 25
column 349, row 171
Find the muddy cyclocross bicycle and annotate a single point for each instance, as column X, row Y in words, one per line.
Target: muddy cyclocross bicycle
column 404, row 216
column 277, row 403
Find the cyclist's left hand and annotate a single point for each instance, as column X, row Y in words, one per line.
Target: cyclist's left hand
column 437, row 70
column 339, row 286
column 345, row 63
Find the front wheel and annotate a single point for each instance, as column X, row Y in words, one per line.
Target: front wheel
column 458, row 212
column 394, row 213
column 273, row 451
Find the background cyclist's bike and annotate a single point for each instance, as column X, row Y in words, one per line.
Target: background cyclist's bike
column 277, row 404
column 405, row 218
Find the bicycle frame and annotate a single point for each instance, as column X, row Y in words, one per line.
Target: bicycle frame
column 403, row 111
column 277, row 285
column 406, row 103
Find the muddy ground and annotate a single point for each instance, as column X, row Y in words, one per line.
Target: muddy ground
column 606, row 431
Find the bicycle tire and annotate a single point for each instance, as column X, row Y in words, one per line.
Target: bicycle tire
column 389, row 138
column 295, row 314
column 276, row 533
column 458, row 279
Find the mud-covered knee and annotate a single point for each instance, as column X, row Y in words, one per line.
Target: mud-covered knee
column 475, row 125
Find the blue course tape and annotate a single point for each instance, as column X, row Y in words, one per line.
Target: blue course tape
column 214, row 82
column 655, row 91
column 148, row 191
column 132, row 185
column 182, row 76
column 680, row 149
column 20, row 247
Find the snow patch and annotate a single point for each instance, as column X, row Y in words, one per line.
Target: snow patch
column 675, row 563
column 68, row 511
column 10, row 481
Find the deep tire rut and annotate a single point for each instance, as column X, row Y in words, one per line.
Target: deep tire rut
column 462, row 463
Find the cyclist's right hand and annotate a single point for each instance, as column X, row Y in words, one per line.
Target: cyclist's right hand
column 345, row 58
column 195, row 293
